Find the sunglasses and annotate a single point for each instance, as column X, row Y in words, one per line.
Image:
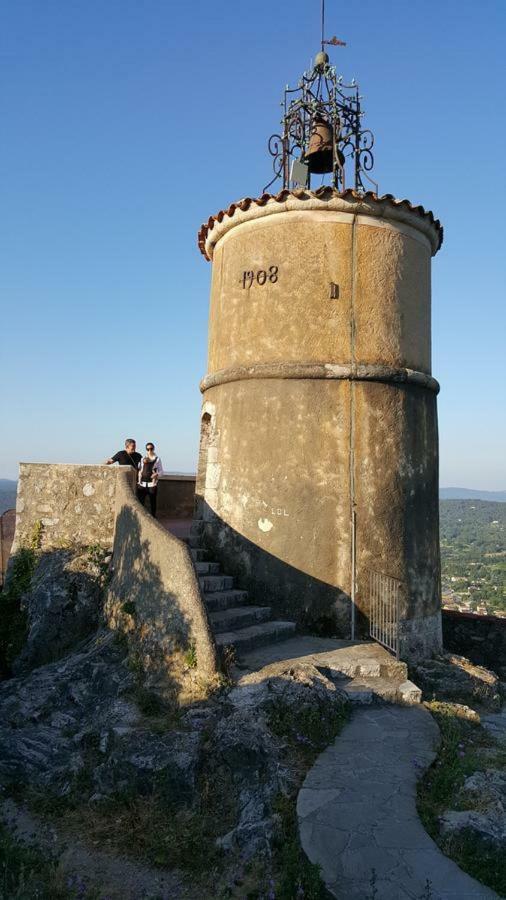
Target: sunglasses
column 149, row 447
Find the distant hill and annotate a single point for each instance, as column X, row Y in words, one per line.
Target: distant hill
column 456, row 493
column 473, row 554
column 7, row 494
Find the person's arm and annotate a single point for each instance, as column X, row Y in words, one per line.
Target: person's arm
column 158, row 468
column 112, row 459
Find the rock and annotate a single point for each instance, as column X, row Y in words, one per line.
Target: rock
column 488, row 787
column 243, row 742
column 487, row 821
column 63, row 606
column 487, row 827
column 144, row 762
column 495, row 725
column 73, row 724
column 460, row 710
column 451, row 677
column 53, row 712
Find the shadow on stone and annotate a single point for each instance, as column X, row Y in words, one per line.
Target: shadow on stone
column 315, row 605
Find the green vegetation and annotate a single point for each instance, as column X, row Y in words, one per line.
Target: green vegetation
column 27, row 873
column 163, row 827
column 473, row 553
column 307, row 729
column 129, row 608
column 461, row 754
column 296, row 876
column 191, row 657
column 99, row 557
column 13, row 620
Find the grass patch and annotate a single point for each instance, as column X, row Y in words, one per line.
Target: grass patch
column 460, row 755
column 308, row 729
column 296, row 876
column 27, row 873
column 190, row 657
column 157, row 828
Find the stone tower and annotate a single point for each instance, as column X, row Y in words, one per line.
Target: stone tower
column 318, row 468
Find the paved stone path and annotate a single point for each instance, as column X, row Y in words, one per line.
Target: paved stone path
column 357, row 812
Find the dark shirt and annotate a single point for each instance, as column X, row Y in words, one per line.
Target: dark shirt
column 127, row 459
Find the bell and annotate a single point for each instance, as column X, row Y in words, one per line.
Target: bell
column 319, row 156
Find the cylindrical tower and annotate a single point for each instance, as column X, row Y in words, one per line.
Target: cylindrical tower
column 318, row 469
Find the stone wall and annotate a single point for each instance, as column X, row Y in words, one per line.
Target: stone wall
column 176, row 496
column 318, row 462
column 154, row 596
column 75, row 504
column 482, row 639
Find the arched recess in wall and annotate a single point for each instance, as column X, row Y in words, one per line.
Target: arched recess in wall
column 206, row 428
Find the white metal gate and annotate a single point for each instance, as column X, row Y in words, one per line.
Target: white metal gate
column 384, row 606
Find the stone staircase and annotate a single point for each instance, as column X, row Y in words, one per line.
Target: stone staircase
column 234, row 620
column 364, row 670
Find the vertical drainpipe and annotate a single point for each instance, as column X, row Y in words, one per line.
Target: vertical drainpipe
column 353, row 514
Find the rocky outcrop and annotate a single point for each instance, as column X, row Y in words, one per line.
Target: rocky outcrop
column 450, row 677
column 75, row 728
column 486, row 791
column 481, row 638
column 63, row 605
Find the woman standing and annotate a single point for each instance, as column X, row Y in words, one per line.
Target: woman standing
column 149, row 472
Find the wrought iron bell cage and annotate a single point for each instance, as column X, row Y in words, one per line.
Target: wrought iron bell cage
column 322, row 131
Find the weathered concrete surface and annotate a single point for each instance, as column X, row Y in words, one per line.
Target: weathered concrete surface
column 357, row 813
column 154, row 595
column 364, row 671
column 347, row 658
column 75, row 504
column 314, row 407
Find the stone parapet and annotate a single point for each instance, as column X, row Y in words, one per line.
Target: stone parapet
column 154, row 596
column 74, row 504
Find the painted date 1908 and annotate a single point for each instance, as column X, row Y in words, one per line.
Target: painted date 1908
column 261, row 277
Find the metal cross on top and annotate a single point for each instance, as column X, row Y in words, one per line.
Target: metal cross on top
column 322, row 130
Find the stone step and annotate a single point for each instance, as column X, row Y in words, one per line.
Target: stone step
column 225, row 600
column 364, row 691
column 256, row 635
column 211, row 583
column 207, row 568
column 370, row 668
column 196, row 528
column 198, row 554
column 384, row 669
column 238, row 617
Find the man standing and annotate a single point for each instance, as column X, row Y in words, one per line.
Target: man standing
column 149, row 473
column 126, row 457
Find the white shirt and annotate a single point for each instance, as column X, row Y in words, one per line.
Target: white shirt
column 157, row 469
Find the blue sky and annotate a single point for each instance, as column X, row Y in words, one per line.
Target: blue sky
column 126, row 123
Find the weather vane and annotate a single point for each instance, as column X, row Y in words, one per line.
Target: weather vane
column 322, row 130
